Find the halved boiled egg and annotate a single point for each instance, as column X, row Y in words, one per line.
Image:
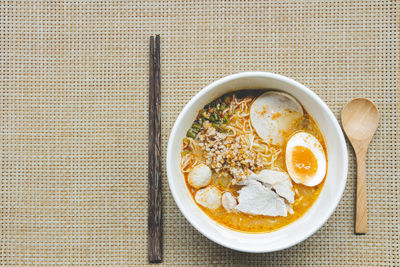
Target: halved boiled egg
column 273, row 114
column 305, row 159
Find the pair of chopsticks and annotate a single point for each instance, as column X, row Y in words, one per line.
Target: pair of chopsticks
column 154, row 189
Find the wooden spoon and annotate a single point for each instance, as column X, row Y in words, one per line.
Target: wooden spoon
column 360, row 119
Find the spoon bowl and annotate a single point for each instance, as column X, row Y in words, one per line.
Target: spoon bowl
column 360, row 118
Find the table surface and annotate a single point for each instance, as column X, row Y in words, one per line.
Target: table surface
column 73, row 100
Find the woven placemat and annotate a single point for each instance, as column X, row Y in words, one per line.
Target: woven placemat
column 73, row 100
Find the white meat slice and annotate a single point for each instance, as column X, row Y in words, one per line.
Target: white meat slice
column 279, row 181
column 289, row 209
column 209, row 197
column 228, row 201
column 200, row 176
column 253, row 177
column 255, row 199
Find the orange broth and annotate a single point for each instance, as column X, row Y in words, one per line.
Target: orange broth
column 304, row 196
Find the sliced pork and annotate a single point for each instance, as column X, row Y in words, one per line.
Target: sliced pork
column 256, row 199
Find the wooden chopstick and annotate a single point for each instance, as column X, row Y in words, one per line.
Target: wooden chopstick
column 154, row 189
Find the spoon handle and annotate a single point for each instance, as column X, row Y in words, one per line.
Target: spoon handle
column 361, row 226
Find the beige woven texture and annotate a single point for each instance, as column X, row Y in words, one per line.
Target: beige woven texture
column 73, row 100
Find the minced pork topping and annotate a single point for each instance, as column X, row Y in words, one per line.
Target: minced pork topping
column 227, row 154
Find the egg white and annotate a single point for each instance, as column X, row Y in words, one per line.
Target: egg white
column 272, row 114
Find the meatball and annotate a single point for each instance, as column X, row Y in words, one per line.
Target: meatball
column 200, row 176
column 228, row 201
column 209, row 197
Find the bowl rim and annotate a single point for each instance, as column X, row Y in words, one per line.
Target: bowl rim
column 315, row 98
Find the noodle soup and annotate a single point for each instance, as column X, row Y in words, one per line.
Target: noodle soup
column 254, row 160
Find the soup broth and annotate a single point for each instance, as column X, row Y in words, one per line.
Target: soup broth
column 228, row 119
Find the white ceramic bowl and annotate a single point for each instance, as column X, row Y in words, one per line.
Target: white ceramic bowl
column 315, row 217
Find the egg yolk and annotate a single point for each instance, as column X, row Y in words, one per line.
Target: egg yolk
column 305, row 165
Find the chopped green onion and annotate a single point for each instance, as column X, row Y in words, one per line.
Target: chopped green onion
column 218, row 128
column 191, row 133
column 197, row 125
column 226, row 119
column 214, row 117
